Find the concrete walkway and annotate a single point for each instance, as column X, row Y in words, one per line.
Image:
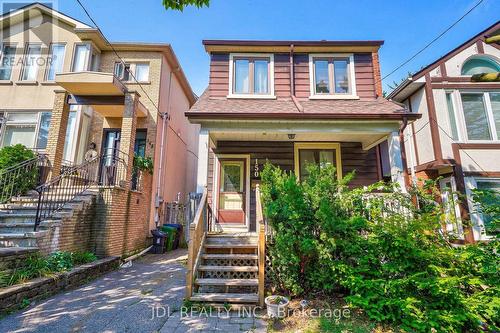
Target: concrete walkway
column 146, row 297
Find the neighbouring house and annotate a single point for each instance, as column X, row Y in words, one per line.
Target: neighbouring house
column 64, row 87
column 458, row 136
column 289, row 103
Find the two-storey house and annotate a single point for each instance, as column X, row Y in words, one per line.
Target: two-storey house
column 290, row 103
column 65, row 91
column 458, row 136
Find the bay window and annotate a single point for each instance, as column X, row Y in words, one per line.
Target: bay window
column 481, row 115
column 251, row 75
column 56, row 61
column 7, row 58
column 31, row 62
column 332, row 76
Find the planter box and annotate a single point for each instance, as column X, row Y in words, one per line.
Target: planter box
column 12, row 297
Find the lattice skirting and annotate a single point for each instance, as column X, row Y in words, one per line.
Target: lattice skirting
column 228, row 275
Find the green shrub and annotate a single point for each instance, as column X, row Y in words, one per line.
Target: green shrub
column 385, row 253
column 37, row 266
column 25, row 180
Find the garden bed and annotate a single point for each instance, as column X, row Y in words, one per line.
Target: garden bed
column 21, row 295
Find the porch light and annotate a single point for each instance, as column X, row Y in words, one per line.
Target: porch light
column 291, row 136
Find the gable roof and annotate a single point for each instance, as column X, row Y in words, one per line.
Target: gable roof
column 492, row 30
column 36, row 8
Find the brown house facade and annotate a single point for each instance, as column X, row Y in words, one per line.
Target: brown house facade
column 458, row 136
column 292, row 103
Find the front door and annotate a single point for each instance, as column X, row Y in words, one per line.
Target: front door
column 110, row 150
column 232, row 191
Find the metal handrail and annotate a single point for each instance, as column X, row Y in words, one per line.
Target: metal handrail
column 32, row 173
column 106, row 170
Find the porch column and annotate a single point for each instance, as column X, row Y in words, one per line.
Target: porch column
column 203, row 147
column 57, row 132
column 127, row 136
column 396, row 160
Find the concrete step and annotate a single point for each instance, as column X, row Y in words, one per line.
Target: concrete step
column 26, row 227
column 228, row 282
column 210, row 268
column 225, row 297
column 229, row 256
column 30, row 217
column 32, row 209
column 27, row 239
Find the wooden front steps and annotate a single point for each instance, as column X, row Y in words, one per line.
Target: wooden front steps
column 228, row 270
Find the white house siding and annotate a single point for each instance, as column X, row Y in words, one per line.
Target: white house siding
column 474, row 160
column 422, row 128
column 443, row 120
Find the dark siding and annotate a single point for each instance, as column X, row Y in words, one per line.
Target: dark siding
column 301, row 75
column 219, row 75
column 282, row 75
column 281, row 153
column 363, row 70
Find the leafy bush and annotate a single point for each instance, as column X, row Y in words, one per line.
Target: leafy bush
column 26, row 179
column 385, row 253
column 37, row 266
column 143, row 164
column 488, row 204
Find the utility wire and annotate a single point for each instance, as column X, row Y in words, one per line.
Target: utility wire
column 432, row 41
column 128, row 70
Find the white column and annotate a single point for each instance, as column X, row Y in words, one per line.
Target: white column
column 203, row 146
column 395, row 160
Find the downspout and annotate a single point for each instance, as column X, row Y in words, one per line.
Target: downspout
column 292, row 83
column 403, row 151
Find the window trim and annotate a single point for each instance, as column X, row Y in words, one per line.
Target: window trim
column 25, row 54
column 487, row 57
column 314, row 146
column 351, row 76
column 2, row 45
column 236, row 56
column 463, row 137
column 132, row 68
column 49, row 65
column 478, row 227
column 35, row 123
column 87, row 61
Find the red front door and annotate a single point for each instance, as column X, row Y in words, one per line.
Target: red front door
column 232, row 191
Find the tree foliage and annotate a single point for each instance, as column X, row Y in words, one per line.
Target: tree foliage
column 180, row 4
column 385, row 254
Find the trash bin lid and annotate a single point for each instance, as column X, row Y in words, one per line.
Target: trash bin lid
column 158, row 233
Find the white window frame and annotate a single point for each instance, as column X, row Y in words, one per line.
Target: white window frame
column 449, row 227
column 2, row 45
column 36, row 123
column 332, row 95
column 49, row 64
column 478, row 227
column 477, row 56
column 454, row 104
column 132, row 65
column 460, row 115
column 269, row 56
column 25, row 55
column 88, row 62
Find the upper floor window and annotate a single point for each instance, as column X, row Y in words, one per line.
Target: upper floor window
column 81, row 58
column 332, row 76
column 480, row 65
column 56, row 61
column 132, row 71
column 251, row 75
column 31, row 61
column 481, row 112
column 7, row 58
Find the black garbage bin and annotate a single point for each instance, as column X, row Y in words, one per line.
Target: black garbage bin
column 158, row 242
column 178, row 234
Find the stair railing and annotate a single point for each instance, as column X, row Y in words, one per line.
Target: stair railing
column 22, row 177
column 107, row 170
column 197, row 234
column 261, row 249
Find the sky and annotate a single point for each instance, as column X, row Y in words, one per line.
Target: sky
column 405, row 26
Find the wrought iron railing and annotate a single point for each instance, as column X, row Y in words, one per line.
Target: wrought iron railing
column 107, row 170
column 23, row 177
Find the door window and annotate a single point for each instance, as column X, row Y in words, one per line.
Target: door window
column 232, row 185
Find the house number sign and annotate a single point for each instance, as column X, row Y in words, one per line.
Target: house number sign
column 256, row 168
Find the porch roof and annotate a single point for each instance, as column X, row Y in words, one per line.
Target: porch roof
column 380, row 108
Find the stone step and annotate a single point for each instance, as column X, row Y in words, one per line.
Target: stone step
column 228, row 282
column 229, row 256
column 32, row 209
column 30, row 217
column 210, row 268
column 24, row 227
column 225, row 297
column 19, row 239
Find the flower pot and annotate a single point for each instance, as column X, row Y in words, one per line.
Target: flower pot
column 274, row 309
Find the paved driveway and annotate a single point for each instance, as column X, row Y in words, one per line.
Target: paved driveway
column 146, row 297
